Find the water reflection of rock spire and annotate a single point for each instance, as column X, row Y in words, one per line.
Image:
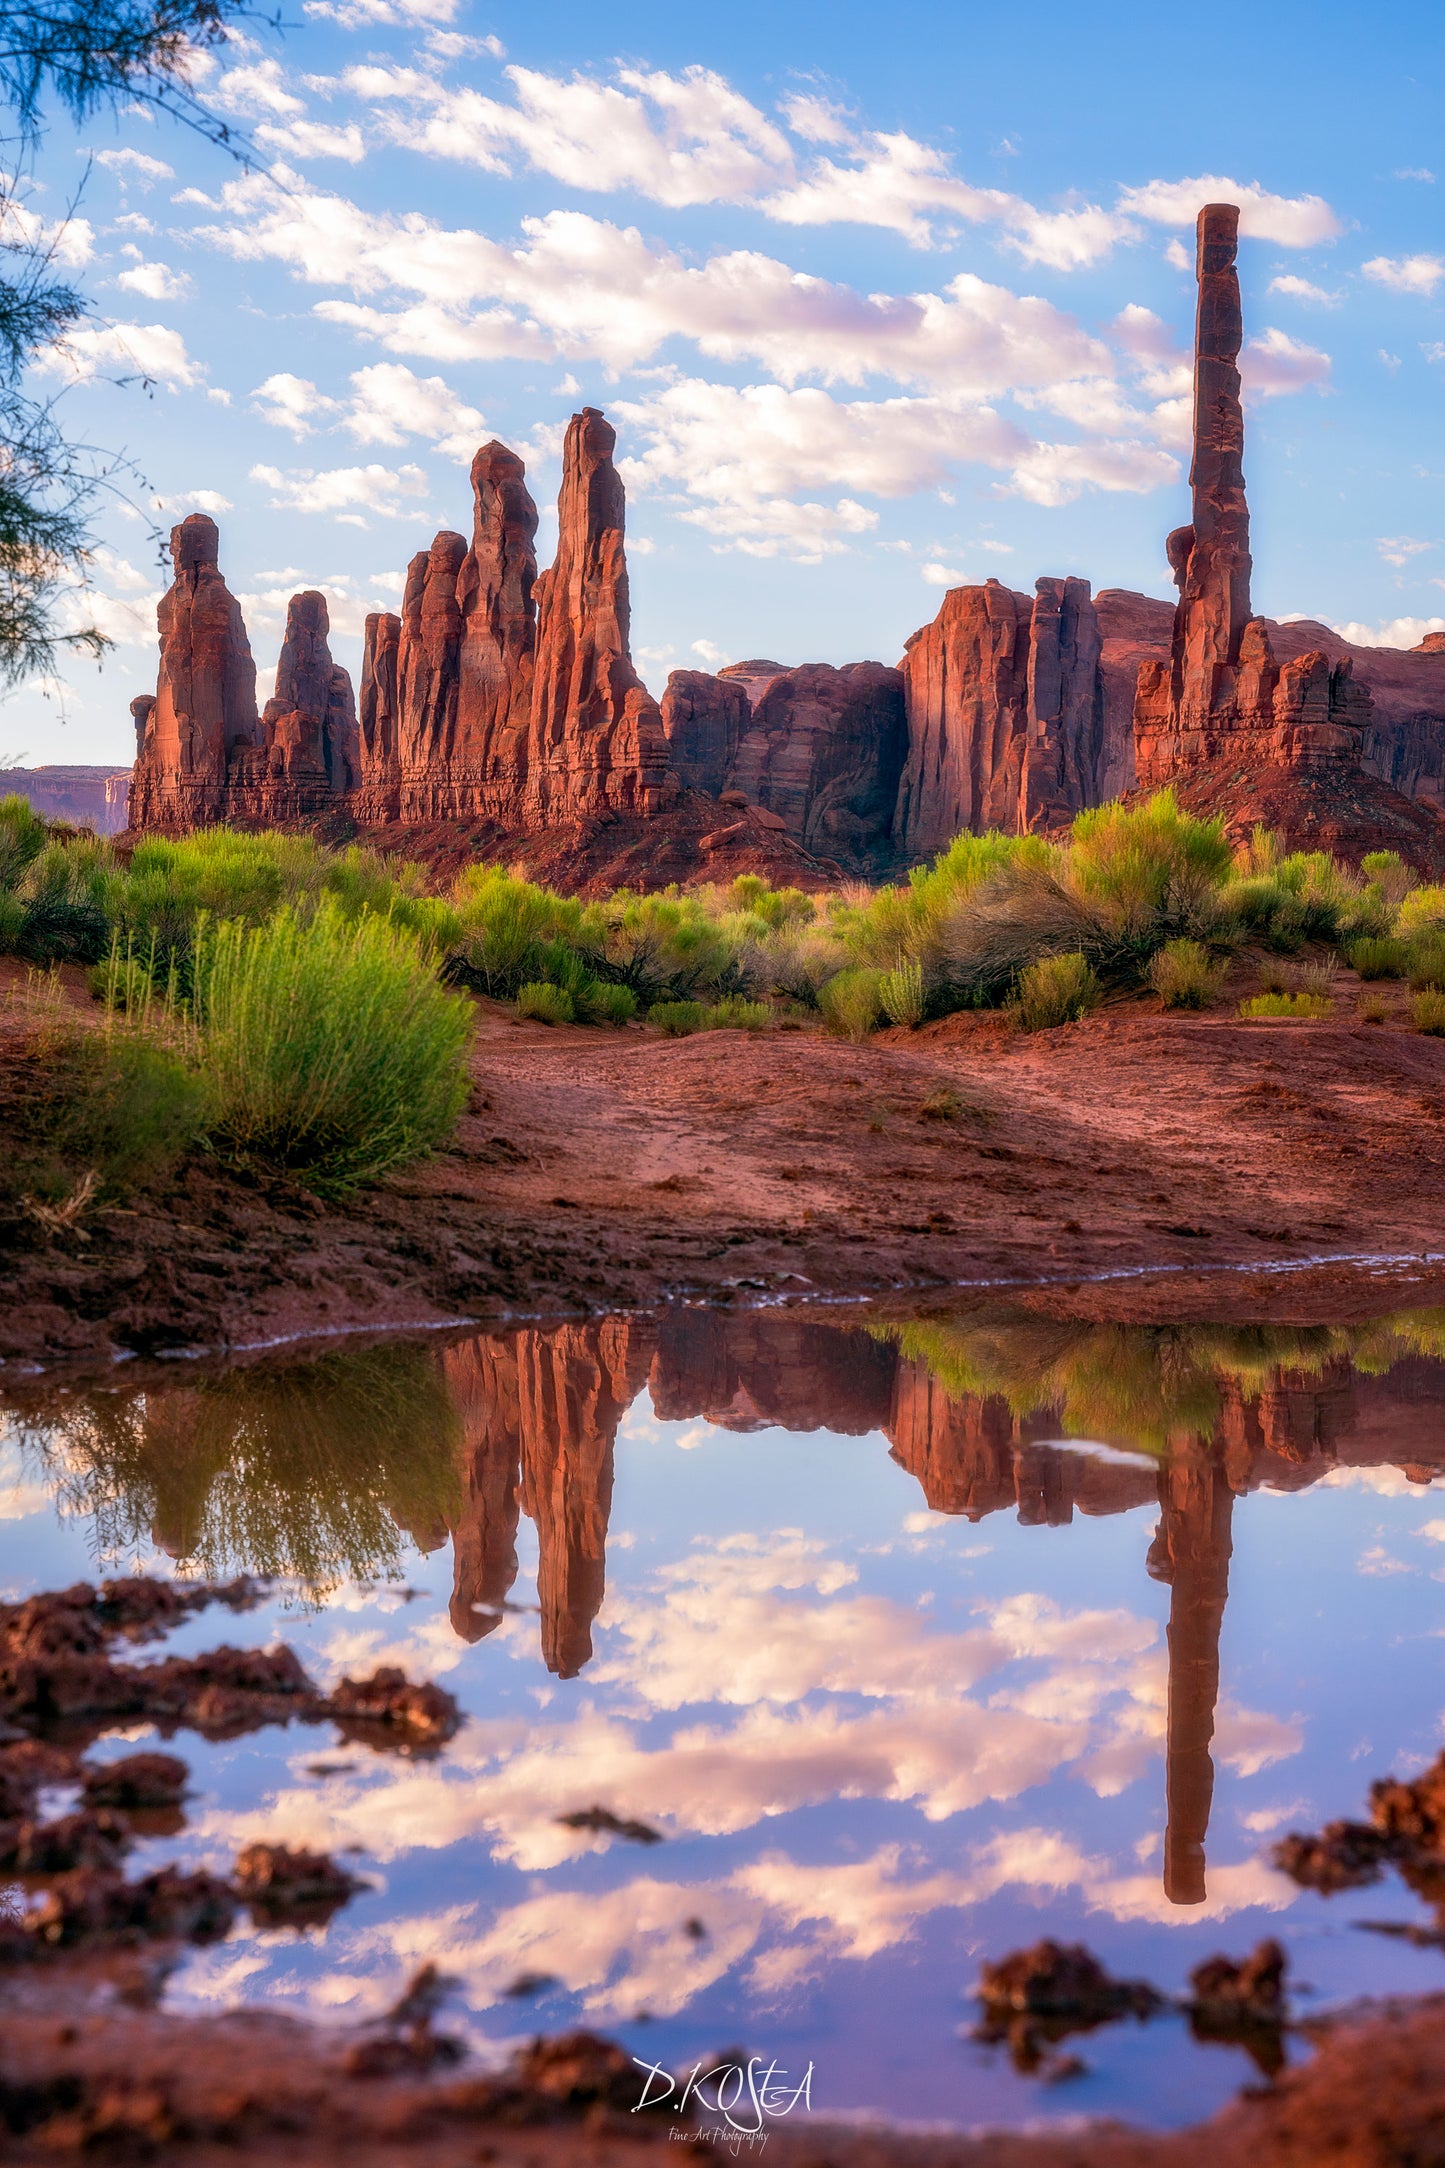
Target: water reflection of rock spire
column 1191, row 1552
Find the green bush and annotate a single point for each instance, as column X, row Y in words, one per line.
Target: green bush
column 141, row 1100
column 23, row 836
column 610, row 1004
column 334, row 1050
column 1183, row 976
column 734, row 1013
column 503, row 926
column 1373, row 1009
column 1427, row 1012
column 1425, row 960
column 1421, row 910
column 1146, row 861
column 852, row 1002
column 665, row 947
column 1057, row 990
column 1378, row 956
column 1298, row 1004
column 901, row 993
column 678, row 1018
column 545, row 1003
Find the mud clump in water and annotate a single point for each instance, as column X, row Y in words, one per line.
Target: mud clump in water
column 391, row 1712
column 1343, row 1855
column 83, row 1839
column 601, row 1821
column 140, row 1783
column 1036, row 1997
column 1242, row 2004
column 286, row 1888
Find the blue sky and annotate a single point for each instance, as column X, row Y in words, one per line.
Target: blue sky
column 879, row 302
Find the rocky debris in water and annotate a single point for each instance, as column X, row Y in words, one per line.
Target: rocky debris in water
column 1343, row 1855
column 407, row 2039
column 602, row 1821
column 138, row 1782
column 388, row 1710
column 75, row 1840
column 26, row 1767
column 91, row 1906
column 82, row 1620
column 1038, row 1996
column 1242, row 2004
column 286, row 1888
column 1412, row 1814
column 580, row 2071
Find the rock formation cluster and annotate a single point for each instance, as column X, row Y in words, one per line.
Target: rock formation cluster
column 506, row 698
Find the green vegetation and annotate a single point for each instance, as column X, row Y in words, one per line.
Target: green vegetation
column 1184, row 976
column 901, row 992
column 1427, row 1013
column 1057, row 990
column 1300, row 1004
column 851, row 1002
column 334, row 1051
column 545, row 1004
column 1379, row 956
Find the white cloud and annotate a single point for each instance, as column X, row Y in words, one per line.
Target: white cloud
column 1289, row 221
column 292, row 402
column 935, row 575
column 157, row 281
column 713, row 655
column 1296, row 289
column 131, row 165
column 193, row 500
column 260, row 88
column 582, row 287
column 366, row 14
column 389, row 404
column 1406, row 274
column 1177, row 256
column 1275, row 363
column 343, row 491
column 1054, row 474
column 816, row 120
column 1395, row 632
column 315, row 139
column 70, row 240
column 679, row 140
column 125, row 350
column 1398, row 549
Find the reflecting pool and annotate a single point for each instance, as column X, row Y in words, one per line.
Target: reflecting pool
column 907, row 1644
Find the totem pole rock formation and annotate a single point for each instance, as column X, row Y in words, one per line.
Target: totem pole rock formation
column 204, row 708
column 202, row 751
column 1006, row 720
column 1222, row 693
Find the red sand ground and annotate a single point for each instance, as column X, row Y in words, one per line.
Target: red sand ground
column 601, row 1168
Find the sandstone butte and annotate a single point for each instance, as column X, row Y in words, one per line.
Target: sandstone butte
column 500, row 711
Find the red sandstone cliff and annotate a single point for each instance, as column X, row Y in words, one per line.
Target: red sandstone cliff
column 204, row 708
column 309, row 725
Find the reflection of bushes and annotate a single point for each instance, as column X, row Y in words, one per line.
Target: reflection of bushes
column 1140, row 1385
column 311, row 1471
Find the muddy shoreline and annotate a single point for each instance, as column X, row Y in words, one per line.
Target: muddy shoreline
column 1135, row 1163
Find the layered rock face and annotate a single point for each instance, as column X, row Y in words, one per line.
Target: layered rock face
column 1222, row 693
column 86, row 797
column 204, row 709
column 202, row 751
column 1005, row 714
column 703, row 720
column 504, row 694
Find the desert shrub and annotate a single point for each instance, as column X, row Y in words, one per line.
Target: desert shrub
column 1423, row 909
column 1296, row 1004
column 1427, row 1012
column 1373, row 1009
column 850, row 1003
column 1425, row 959
column 1259, row 904
column 362, row 880
column 887, row 927
column 735, row 1013
column 503, row 926
column 901, row 993
column 335, row 1051
column 750, row 895
column 679, row 1018
column 664, row 947
column 1145, row 861
column 23, row 836
column 141, row 1100
column 1387, row 872
column 1184, row 976
column 1378, row 956
column 1057, row 990
column 58, row 909
column 610, row 1004
column 1318, row 978
column 546, row 1003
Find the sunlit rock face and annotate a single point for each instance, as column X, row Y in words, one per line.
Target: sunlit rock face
column 203, row 753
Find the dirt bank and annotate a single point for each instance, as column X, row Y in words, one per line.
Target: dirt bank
column 253, row 2086
column 598, row 1169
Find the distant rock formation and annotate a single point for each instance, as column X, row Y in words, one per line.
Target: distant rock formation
column 84, row 796
column 202, row 752
column 820, row 748
column 1006, row 714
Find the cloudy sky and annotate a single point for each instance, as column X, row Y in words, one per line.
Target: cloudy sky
column 879, row 303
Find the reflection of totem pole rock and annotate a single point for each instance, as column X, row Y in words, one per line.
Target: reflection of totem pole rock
column 574, row 1386
column 1191, row 1552
column 482, row 1375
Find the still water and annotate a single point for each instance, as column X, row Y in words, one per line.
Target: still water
column 912, row 1644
